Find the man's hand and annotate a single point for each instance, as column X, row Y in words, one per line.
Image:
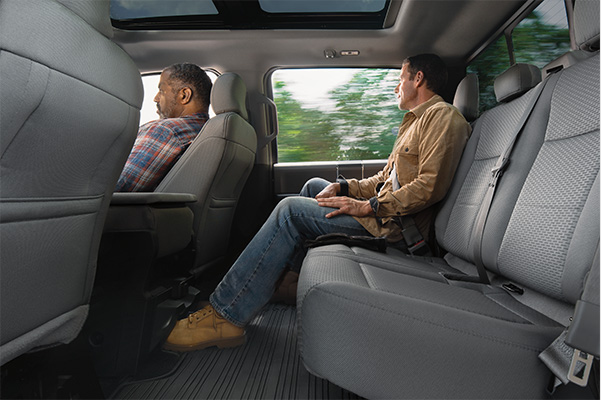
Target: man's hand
column 346, row 205
column 330, row 191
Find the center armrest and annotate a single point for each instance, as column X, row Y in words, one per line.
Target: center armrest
column 166, row 217
column 152, row 198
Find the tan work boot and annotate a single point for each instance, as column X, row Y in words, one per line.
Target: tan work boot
column 203, row 329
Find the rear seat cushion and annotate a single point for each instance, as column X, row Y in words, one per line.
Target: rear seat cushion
column 389, row 334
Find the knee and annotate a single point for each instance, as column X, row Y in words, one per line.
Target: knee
column 286, row 205
column 293, row 206
column 313, row 186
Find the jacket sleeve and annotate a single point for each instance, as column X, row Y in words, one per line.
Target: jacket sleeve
column 367, row 188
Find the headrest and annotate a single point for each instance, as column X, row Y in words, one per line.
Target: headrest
column 586, row 24
column 517, row 80
column 467, row 97
column 94, row 12
column 229, row 95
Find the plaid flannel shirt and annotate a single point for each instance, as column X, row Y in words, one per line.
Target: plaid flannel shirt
column 158, row 146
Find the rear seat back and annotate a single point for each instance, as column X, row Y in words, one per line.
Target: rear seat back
column 491, row 134
column 553, row 233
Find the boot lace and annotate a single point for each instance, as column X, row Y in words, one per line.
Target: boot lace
column 200, row 315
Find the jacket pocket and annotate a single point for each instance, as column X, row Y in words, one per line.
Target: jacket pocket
column 406, row 161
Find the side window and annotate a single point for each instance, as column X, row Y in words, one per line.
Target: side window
column 543, row 35
column 151, row 86
column 539, row 38
column 488, row 65
column 336, row 114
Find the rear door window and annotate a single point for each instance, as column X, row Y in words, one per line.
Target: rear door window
column 336, row 114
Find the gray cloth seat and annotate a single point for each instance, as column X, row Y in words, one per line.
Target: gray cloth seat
column 393, row 326
column 68, row 120
column 215, row 168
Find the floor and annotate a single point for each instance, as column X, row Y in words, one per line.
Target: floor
column 268, row 366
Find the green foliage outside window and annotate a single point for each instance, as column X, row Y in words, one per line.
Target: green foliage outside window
column 361, row 125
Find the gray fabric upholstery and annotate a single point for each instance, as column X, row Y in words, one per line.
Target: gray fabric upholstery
column 467, row 97
column 229, row 95
column 383, row 334
column 215, row 168
column 93, row 14
column 60, row 159
column 550, row 212
column 388, row 325
column 492, row 132
column 516, row 81
column 564, row 61
column 586, row 24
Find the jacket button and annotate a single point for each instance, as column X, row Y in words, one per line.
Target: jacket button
column 407, row 149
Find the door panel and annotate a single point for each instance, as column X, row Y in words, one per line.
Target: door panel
column 289, row 178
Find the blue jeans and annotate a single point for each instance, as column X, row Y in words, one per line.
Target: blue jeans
column 250, row 282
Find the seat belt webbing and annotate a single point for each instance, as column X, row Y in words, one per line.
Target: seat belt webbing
column 416, row 244
column 497, row 171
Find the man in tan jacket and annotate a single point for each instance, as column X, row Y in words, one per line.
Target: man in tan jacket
column 418, row 174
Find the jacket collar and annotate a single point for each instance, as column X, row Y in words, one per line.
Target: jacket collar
column 421, row 109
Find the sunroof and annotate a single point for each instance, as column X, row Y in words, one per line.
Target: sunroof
column 135, row 9
column 250, row 14
column 321, row 6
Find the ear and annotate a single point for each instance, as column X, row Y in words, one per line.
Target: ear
column 419, row 79
column 185, row 95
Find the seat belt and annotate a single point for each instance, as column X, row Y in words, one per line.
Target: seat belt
column 496, row 172
column 570, row 356
column 416, row 244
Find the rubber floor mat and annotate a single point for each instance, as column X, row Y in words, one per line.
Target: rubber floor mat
column 268, row 366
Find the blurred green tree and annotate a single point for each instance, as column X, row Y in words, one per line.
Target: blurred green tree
column 304, row 134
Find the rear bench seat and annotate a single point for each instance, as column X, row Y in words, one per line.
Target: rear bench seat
column 392, row 326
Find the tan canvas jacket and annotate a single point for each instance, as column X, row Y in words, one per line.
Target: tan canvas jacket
column 426, row 153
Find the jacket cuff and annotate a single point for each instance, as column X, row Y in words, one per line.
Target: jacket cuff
column 375, row 205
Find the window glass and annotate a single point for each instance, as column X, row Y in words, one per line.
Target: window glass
column 488, row 65
column 539, row 38
column 336, row 114
column 132, row 9
column 151, row 87
column 543, row 35
column 320, row 6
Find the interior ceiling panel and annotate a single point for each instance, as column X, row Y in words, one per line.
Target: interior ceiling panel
column 452, row 29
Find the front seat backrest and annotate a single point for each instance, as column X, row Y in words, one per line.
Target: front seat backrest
column 70, row 101
column 215, row 168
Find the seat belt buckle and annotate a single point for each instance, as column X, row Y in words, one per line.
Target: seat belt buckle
column 420, row 248
column 578, row 359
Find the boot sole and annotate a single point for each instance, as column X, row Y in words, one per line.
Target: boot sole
column 220, row 343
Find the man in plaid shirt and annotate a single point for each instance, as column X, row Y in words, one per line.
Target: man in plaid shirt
column 183, row 105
